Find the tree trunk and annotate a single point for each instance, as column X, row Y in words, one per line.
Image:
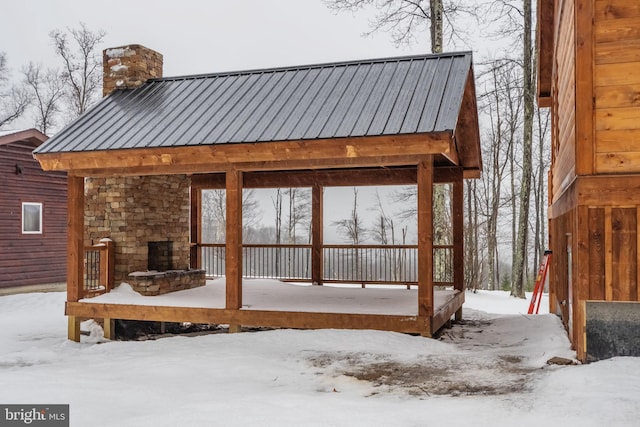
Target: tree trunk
column 437, row 12
column 519, row 276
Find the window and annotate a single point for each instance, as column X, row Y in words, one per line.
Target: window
column 32, row 218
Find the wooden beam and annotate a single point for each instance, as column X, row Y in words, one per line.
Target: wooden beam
column 233, row 251
column 267, row 318
column 425, row 239
column 256, row 156
column 580, row 285
column 545, row 47
column 458, row 232
column 317, row 238
column 612, row 190
column 109, row 328
column 608, row 255
column 403, row 175
column 584, row 149
column 445, row 312
column 73, row 333
column 467, row 134
column 195, row 227
column 75, row 237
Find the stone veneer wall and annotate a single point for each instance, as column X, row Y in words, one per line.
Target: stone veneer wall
column 133, row 211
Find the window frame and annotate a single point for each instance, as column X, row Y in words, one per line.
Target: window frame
column 40, row 209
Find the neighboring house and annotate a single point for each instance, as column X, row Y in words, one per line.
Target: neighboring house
column 33, row 220
column 589, row 74
column 140, row 158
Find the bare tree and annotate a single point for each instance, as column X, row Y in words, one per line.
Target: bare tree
column 299, row 211
column 352, row 229
column 82, row 64
column 46, row 89
column 403, row 19
column 384, row 232
column 214, row 215
column 528, row 71
column 502, row 103
column 473, row 257
column 539, row 188
column 277, row 205
column 13, row 100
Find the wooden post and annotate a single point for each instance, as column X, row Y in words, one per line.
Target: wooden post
column 75, row 248
column 74, row 328
column 458, row 235
column 580, row 287
column 425, row 243
column 196, row 227
column 109, row 328
column 107, row 264
column 234, row 242
column 317, row 240
column 584, row 101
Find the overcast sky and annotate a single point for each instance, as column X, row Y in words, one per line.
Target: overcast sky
column 204, row 36
column 200, row 36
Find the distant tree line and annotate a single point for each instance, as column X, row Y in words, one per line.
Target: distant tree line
column 506, row 209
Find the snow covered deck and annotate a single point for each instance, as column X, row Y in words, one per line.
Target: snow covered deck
column 278, row 304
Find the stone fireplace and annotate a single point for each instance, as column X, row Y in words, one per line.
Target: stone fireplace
column 147, row 217
column 136, row 210
column 160, row 256
column 160, row 277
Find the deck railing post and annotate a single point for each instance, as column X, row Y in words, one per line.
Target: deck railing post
column 107, row 263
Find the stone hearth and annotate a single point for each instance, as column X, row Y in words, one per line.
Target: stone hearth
column 151, row 283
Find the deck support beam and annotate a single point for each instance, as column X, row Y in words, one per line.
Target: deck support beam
column 458, row 234
column 109, row 328
column 196, row 227
column 75, row 237
column 425, row 243
column 74, row 328
column 233, row 248
column 317, row 241
column 75, row 248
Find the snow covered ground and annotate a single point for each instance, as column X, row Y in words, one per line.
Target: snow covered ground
column 488, row 371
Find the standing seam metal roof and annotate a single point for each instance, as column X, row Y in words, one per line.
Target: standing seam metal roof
column 392, row 96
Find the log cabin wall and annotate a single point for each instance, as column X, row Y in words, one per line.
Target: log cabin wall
column 595, row 170
column 617, row 86
column 564, row 90
column 31, row 259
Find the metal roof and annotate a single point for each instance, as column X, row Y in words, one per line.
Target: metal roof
column 392, row 96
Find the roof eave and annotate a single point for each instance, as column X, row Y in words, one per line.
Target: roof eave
column 282, row 155
column 545, row 47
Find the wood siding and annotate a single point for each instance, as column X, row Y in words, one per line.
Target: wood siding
column 564, row 88
column 617, row 86
column 604, row 242
column 30, row 259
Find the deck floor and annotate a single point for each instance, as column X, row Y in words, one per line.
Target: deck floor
column 273, row 295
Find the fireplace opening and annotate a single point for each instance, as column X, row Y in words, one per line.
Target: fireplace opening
column 160, row 256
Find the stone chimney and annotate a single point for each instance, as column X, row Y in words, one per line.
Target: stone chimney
column 127, row 67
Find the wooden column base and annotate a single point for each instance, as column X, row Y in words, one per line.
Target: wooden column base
column 109, row 328
column 235, row 328
column 74, row 328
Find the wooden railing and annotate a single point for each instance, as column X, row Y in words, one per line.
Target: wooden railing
column 98, row 268
column 389, row 264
